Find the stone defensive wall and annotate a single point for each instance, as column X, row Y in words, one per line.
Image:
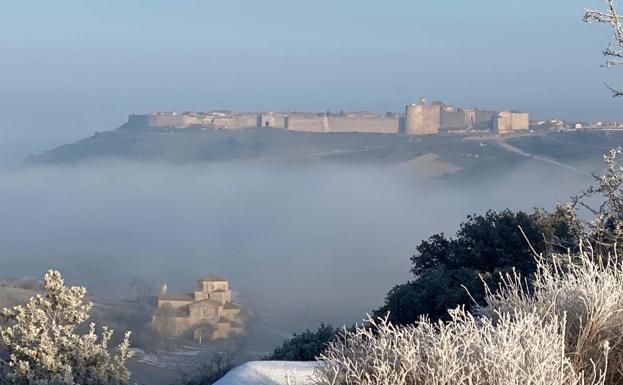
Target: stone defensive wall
column 236, row 121
column 484, row 119
column 306, row 123
column 452, row 119
column 345, row 124
column 417, row 119
column 271, row 119
column 371, row 125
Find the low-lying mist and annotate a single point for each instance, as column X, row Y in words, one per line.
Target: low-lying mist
column 302, row 242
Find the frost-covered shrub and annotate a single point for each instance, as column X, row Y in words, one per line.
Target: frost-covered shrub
column 566, row 329
column 45, row 348
column 588, row 291
column 520, row 348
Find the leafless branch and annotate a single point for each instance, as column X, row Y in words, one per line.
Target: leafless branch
column 614, row 53
column 615, row 93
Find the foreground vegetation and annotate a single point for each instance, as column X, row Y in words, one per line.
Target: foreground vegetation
column 567, row 330
column 507, row 273
column 44, row 346
column 449, row 272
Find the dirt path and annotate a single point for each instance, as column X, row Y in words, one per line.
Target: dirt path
column 509, row 147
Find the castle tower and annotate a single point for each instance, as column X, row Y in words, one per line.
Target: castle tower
column 421, row 119
column 502, row 122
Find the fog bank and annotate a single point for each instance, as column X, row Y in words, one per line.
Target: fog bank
column 318, row 242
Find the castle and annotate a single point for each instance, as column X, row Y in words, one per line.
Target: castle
column 418, row 119
column 207, row 313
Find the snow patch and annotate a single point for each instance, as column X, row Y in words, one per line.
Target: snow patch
column 271, row 373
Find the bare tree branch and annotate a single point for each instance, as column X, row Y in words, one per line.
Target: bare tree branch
column 615, row 93
column 614, row 53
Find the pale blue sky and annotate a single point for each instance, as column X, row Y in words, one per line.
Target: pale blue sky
column 82, row 66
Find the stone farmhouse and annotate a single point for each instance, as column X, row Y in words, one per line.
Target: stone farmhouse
column 207, row 313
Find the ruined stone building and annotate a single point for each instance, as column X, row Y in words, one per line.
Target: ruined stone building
column 207, row 313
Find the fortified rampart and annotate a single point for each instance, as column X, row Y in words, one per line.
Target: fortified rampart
column 452, row 119
column 364, row 124
column 306, row 122
column 271, row 119
column 418, row 119
column 234, row 122
column 370, row 124
column 484, row 120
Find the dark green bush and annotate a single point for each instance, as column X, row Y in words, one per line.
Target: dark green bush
column 305, row 346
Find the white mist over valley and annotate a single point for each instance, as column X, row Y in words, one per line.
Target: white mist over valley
column 310, row 242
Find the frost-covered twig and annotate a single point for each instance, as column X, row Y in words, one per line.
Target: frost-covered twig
column 614, row 53
column 604, row 202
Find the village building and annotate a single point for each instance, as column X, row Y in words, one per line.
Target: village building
column 207, row 313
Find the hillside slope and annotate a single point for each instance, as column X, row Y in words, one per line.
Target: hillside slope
column 462, row 156
column 265, row 145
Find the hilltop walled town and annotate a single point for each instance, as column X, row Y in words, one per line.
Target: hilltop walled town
column 418, row 119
